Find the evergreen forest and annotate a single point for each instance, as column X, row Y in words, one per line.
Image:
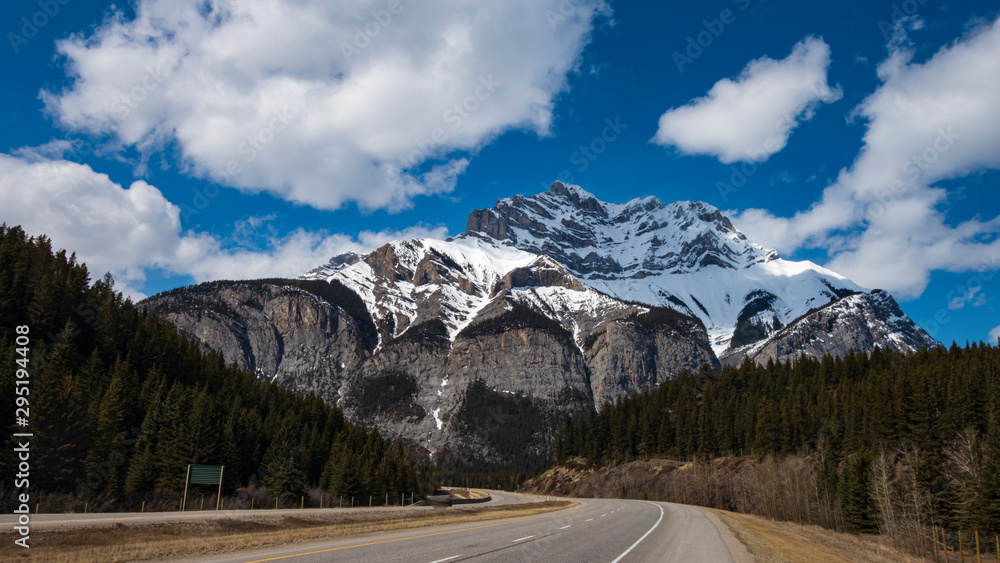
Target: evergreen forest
column 120, row 404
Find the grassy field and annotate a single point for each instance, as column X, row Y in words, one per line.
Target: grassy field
column 131, row 543
column 783, row 542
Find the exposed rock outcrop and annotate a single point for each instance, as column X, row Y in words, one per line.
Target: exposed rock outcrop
column 278, row 331
column 856, row 323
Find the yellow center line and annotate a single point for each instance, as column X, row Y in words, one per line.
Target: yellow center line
column 419, row 537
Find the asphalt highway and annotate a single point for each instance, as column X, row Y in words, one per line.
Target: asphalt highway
column 45, row 522
column 595, row 530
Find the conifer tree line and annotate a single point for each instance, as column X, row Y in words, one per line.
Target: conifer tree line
column 121, row 403
column 896, row 440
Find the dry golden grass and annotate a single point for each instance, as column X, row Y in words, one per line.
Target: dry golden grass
column 770, row 541
column 131, row 543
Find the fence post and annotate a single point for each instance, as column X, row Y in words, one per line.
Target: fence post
column 369, row 501
column 276, row 503
column 979, row 557
column 303, row 503
column 251, row 503
column 143, row 509
column 961, row 550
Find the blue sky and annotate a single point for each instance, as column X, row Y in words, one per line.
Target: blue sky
column 162, row 96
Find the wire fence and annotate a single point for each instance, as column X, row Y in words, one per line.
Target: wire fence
column 963, row 545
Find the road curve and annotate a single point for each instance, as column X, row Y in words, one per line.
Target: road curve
column 615, row 531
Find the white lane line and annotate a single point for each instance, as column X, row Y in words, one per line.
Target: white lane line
column 638, row 541
column 603, row 515
column 522, row 539
column 564, row 527
column 589, row 519
column 447, row 558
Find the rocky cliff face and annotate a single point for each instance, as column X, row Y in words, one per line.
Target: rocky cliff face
column 856, row 323
column 278, row 331
column 640, row 352
column 547, row 306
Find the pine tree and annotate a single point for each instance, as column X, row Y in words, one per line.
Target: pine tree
column 107, row 454
column 283, row 473
column 142, row 470
column 61, row 434
column 856, row 495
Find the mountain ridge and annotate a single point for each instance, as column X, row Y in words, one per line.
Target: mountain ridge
column 579, row 302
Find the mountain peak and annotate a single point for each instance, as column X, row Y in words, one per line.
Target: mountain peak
column 599, row 240
column 686, row 255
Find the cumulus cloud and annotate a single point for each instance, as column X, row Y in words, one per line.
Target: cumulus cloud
column 750, row 118
column 883, row 219
column 995, row 336
column 125, row 231
column 321, row 102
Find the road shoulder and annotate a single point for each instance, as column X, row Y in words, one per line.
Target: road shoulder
column 737, row 549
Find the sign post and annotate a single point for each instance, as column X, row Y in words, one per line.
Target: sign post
column 218, row 497
column 186, row 479
column 204, row 475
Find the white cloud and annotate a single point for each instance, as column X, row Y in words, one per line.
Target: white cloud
column 125, row 231
column 883, row 220
column 319, row 101
column 972, row 296
column 994, row 336
column 750, row 118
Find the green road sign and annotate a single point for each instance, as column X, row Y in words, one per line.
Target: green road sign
column 206, row 474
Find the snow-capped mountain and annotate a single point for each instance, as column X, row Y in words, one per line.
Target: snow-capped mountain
column 684, row 256
column 546, row 306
